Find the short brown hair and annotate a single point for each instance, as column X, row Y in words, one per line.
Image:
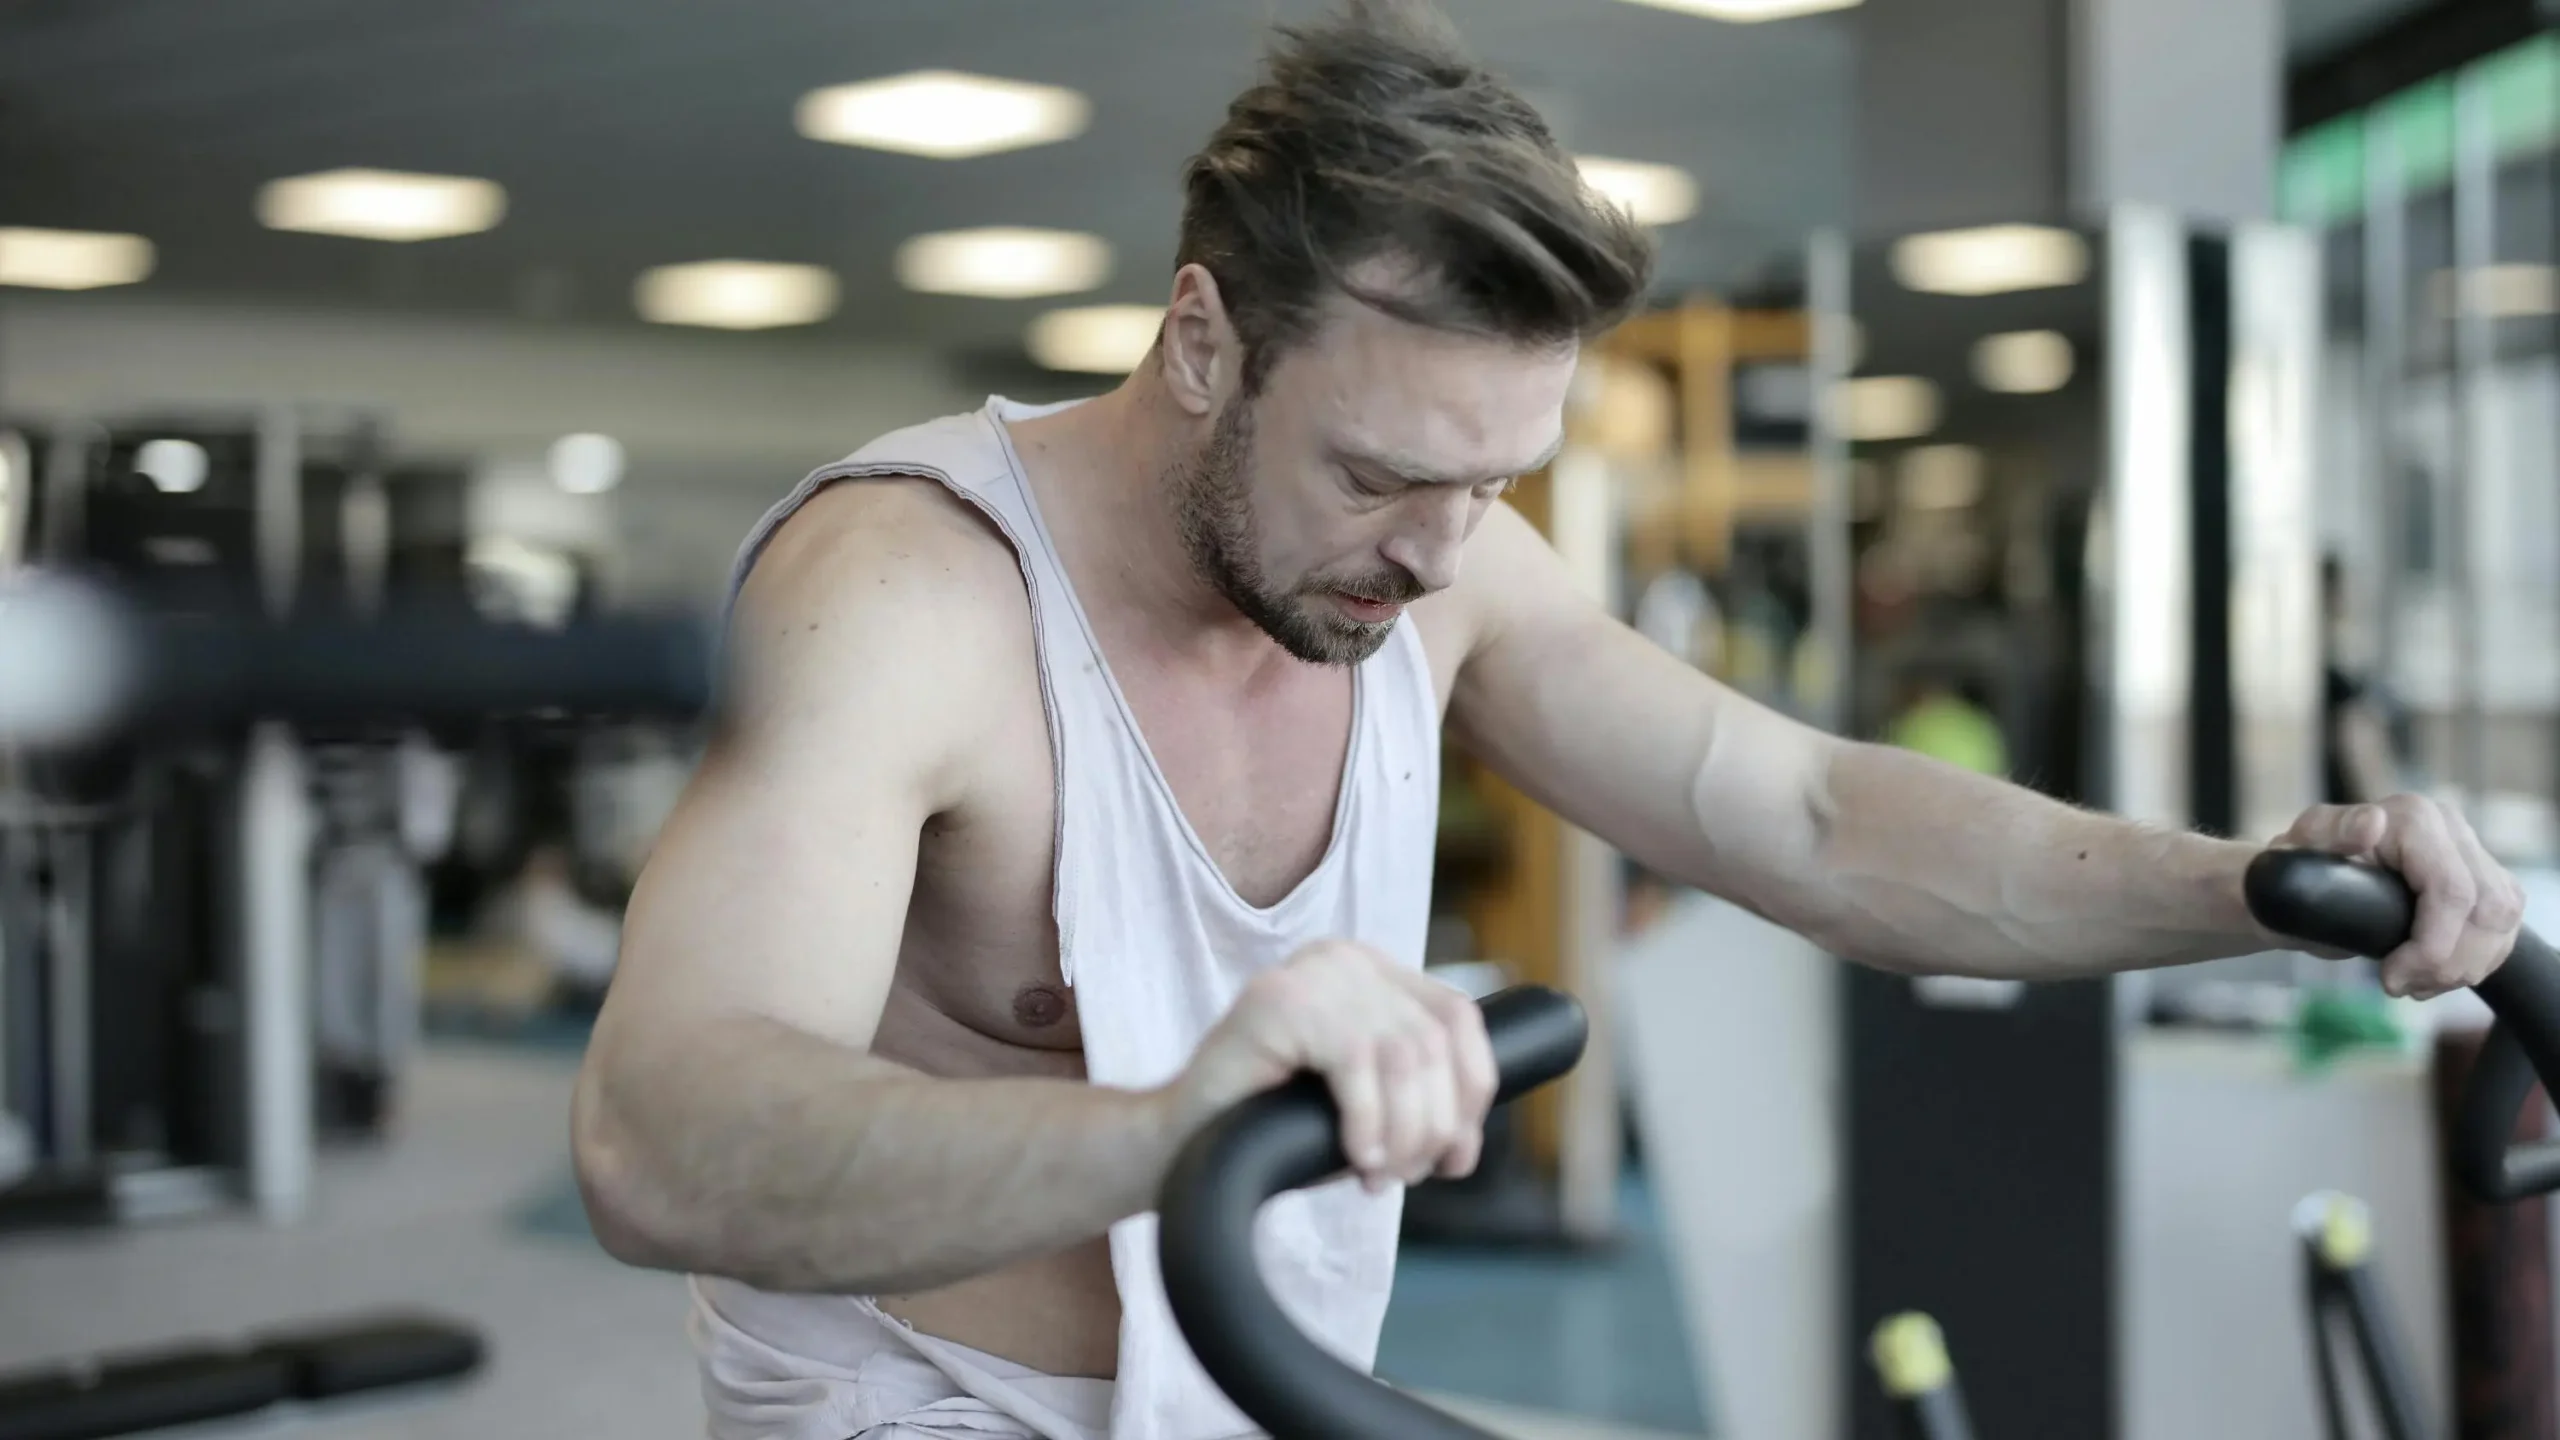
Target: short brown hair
column 1372, row 135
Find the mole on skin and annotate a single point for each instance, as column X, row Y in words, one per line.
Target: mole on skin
column 1038, row 1007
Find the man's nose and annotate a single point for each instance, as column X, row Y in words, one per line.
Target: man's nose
column 1433, row 538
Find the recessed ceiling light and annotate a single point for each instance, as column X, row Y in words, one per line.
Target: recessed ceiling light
column 1747, row 12
column 1095, row 339
column 1003, row 262
column 1990, row 260
column 174, row 467
column 72, row 259
column 382, row 205
column 1653, row 194
column 943, row 114
column 2023, row 362
column 736, row 294
column 586, row 464
column 1888, row 407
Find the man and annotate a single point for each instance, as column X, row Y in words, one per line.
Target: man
column 1082, row 775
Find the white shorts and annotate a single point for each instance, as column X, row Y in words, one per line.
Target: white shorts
column 873, row 1377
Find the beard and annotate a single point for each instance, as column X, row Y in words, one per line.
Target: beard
column 1213, row 509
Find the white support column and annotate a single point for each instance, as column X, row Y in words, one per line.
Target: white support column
column 2145, row 660
column 1583, row 520
column 2276, row 630
column 275, row 941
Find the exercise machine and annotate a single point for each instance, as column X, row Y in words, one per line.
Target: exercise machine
column 2341, row 905
column 167, row 873
column 210, row 918
column 1910, row 1356
column 80, row 663
column 1916, row 1376
column 1287, row 1138
column 1280, row 1140
column 2340, row 1289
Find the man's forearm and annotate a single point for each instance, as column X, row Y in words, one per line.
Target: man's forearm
column 774, row 1157
column 1916, row 865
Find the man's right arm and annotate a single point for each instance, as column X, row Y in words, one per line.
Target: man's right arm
column 730, row 1119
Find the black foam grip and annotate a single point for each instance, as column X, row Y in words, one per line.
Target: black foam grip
column 1279, row 1140
column 2330, row 902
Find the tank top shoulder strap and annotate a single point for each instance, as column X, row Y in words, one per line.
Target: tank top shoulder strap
column 967, row 453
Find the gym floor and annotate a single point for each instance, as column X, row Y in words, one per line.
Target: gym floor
column 469, row 1213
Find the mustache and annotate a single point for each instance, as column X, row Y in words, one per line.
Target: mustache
column 1399, row 588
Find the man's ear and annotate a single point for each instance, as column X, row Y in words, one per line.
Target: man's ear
column 1203, row 360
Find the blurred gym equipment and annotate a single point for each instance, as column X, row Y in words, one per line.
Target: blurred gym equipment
column 2495, row 1137
column 1910, row 1356
column 157, row 665
column 208, row 694
column 2341, row 1288
column 2364, row 910
column 120, row 1394
column 2066, row 490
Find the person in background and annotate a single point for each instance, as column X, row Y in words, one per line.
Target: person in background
column 1941, row 719
column 2357, row 763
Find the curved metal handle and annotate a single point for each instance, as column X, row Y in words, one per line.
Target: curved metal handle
column 1279, row 1140
column 2344, row 905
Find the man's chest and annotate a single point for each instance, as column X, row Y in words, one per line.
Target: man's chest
column 1257, row 779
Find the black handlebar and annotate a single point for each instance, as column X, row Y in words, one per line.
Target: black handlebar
column 2348, row 906
column 1280, row 1140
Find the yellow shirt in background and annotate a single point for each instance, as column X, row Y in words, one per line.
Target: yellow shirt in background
column 1950, row 728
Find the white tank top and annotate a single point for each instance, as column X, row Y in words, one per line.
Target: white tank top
column 1156, row 943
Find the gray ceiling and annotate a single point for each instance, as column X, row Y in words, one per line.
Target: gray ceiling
column 631, row 133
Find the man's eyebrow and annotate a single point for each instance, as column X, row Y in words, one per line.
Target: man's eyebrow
column 1398, row 466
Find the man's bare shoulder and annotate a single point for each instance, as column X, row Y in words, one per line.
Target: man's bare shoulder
column 912, row 537
column 1510, row 572
column 881, row 592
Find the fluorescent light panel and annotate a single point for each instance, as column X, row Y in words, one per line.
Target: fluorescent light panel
column 1888, row 407
column 586, row 464
column 382, row 205
column 2513, row 291
column 942, row 114
column 736, row 294
column 72, row 259
column 174, row 467
column 1747, row 12
column 1094, row 339
column 1990, row 260
column 1654, row 194
column 2023, row 362
column 1003, row 262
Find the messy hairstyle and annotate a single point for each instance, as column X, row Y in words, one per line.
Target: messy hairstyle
column 1372, row 137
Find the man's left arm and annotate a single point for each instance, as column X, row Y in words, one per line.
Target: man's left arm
column 1881, row 855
